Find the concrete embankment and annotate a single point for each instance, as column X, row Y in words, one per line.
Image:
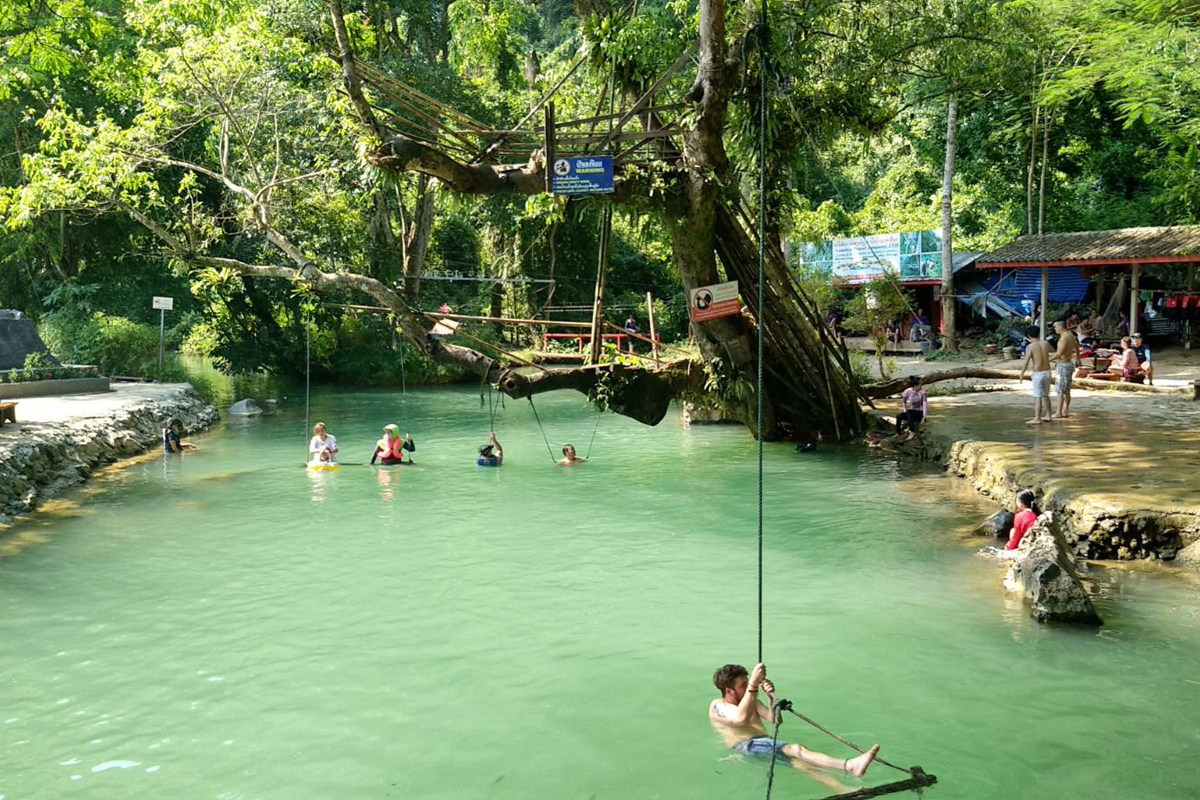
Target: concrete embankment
column 59, row 441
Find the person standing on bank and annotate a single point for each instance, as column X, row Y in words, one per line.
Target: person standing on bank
column 1065, row 358
column 1037, row 358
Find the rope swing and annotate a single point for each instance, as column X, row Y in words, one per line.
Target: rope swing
column 917, row 777
column 307, row 374
column 550, row 449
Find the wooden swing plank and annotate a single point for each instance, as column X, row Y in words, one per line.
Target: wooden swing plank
column 919, row 780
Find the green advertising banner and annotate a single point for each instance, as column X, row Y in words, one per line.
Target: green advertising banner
column 912, row 257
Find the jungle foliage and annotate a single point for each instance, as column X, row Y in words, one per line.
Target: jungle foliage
column 101, row 100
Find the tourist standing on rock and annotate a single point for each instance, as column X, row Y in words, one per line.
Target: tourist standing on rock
column 914, row 406
column 1037, row 359
column 1027, row 514
column 323, row 447
column 172, row 441
column 1065, row 358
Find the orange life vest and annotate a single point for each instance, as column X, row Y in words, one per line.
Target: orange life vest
column 395, row 451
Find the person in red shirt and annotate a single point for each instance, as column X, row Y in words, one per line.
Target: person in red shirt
column 1027, row 514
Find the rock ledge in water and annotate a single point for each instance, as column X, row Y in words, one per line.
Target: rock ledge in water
column 998, row 525
column 245, row 408
column 1189, row 556
column 1044, row 572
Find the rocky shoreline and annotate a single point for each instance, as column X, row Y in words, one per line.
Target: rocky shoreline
column 68, row 438
column 1093, row 527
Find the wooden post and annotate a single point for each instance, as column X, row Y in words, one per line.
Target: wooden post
column 1133, row 299
column 653, row 333
column 551, row 147
column 1100, row 278
column 1191, row 277
column 1045, row 300
column 601, row 273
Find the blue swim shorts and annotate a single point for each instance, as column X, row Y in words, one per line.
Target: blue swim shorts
column 758, row 747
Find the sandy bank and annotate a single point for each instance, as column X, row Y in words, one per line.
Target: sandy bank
column 59, row 441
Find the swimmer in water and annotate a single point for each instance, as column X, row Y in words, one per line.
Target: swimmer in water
column 569, row 458
column 738, row 716
column 390, row 449
column 490, row 454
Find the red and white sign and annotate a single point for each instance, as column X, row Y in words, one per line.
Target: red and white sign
column 710, row 302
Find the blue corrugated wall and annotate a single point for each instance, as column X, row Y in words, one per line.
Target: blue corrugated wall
column 1067, row 284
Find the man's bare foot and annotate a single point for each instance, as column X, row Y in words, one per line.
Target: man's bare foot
column 857, row 766
column 1037, row 421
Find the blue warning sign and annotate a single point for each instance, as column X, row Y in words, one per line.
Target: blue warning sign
column 583, row 175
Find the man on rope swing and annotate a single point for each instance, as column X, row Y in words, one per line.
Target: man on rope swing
column 569, row 458
column 738, row 716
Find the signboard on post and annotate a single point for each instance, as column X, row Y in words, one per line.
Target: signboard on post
column 909, row 257
column 582, row 175
column 162, row 305
column 710, row 302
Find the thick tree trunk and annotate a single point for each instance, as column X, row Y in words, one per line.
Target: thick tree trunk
column 949, row 333
column 1029, row 171
column 895, row 386
column 808, row 386
column 1042, row 182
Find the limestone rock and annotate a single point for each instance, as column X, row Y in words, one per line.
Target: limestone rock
column 245, row 408
column 1044, row 573
column 703, row 415
column 1189, row 556
column 998, row 525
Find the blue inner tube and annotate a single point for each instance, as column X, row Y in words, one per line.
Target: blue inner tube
column 487, row 462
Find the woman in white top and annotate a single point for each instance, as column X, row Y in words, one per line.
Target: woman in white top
column 323, row 447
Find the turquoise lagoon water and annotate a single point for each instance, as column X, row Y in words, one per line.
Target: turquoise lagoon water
column 230, row 625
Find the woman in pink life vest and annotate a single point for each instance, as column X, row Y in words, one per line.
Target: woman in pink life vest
column 390, row 449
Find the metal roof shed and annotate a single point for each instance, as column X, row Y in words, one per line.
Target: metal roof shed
column 1137, row 247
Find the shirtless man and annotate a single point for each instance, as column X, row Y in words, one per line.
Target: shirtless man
column 738, row 716
column 1065, row 359
column 569, row 458
column 1037, row 356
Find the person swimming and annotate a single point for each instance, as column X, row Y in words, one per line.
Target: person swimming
column 569, row 458
column 390, row 449
column 490, row 454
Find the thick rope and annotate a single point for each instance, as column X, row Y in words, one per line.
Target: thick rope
column 549, row 449
column 849, row 744
column 593, row 441
column 307, row 374
column 762, row 236
column 775, row 709
column 491, row 410
column 403, row 376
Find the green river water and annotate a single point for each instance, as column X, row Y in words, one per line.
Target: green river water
column 229, row 625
